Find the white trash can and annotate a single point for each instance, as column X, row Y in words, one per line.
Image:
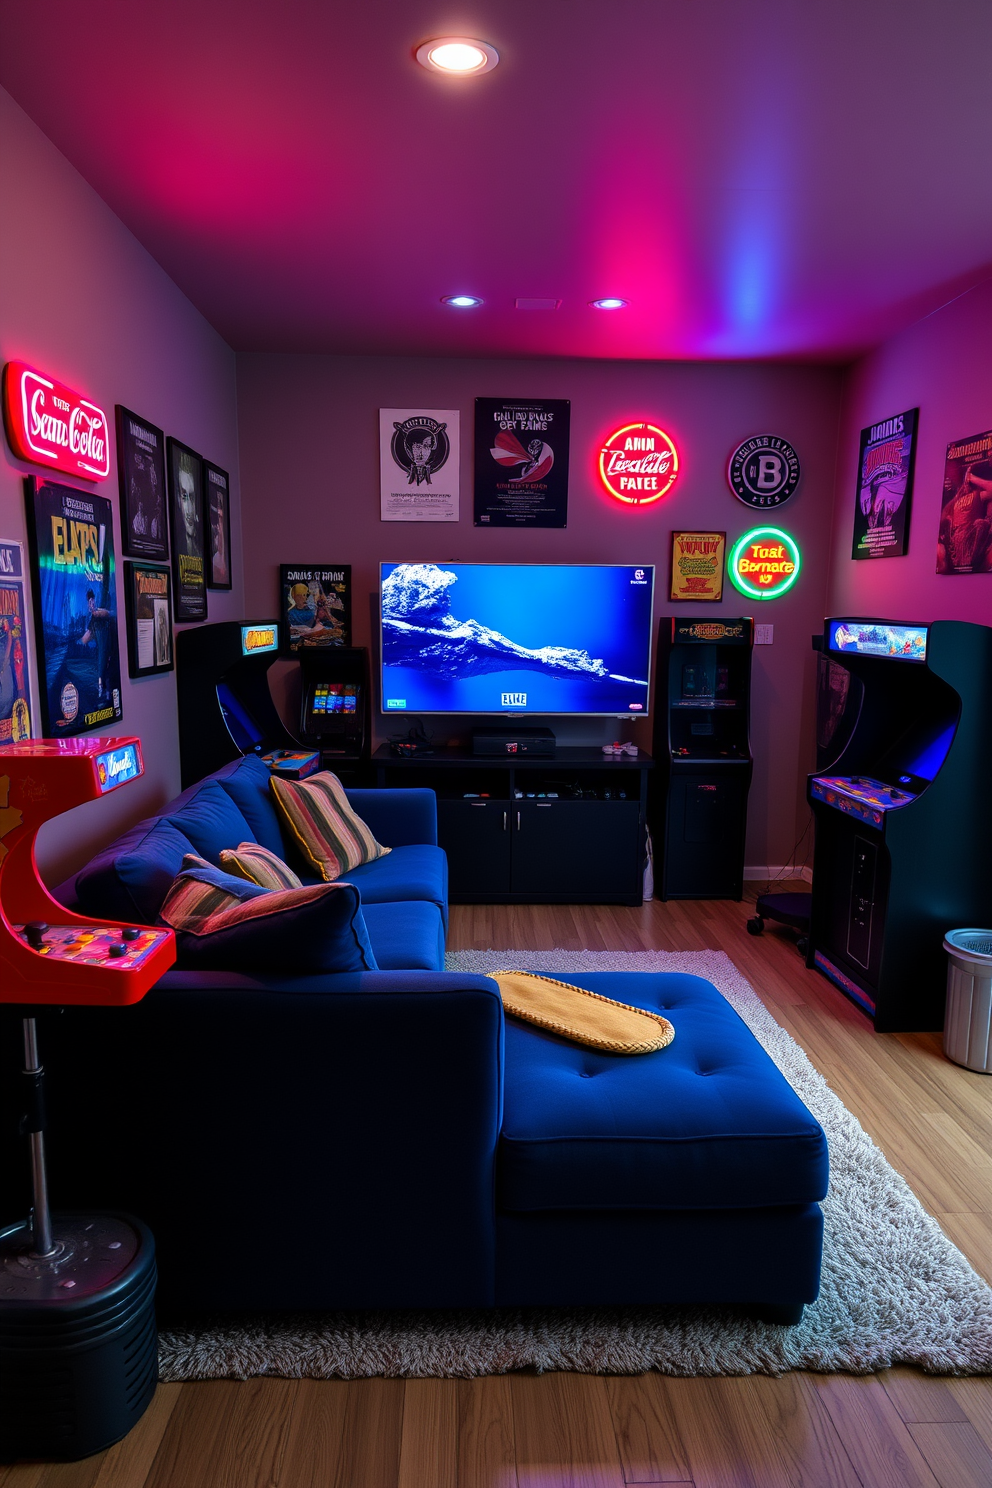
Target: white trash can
column 968, row 1016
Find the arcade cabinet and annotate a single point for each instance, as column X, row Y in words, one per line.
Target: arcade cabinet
column 225, row 706
column 702, row 756
column 335, row 715
column 78, row 1346
column 903, row 851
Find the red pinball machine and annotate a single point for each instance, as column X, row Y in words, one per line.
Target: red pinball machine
column 78, row 1343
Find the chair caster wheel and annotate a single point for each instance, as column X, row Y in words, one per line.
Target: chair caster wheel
column 802, row 945
column 755, row 926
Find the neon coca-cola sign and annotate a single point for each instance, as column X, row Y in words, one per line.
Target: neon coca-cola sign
column 49, row 424
column 638, row 464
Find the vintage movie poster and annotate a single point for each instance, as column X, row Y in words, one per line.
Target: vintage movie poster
column 521, row 462
column 187, row 524
column 314, row 606
column 15, row 671
column 148, row 603
column 74, row 580
column 697, row 566
column 418, row 464
column 141, row 474
column 964, row 539
column 218, row 503
column 885, row 487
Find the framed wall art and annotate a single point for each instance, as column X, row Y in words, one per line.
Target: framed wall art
column 697, row 566
column 148, row 607
column 141, row 474
column 187, row 526
column 521, row 462
column 964, row 538
column 885, row 486
column 314, row 606
column 217, row 499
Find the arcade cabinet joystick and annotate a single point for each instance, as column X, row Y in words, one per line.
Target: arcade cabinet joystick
column 78, row 1361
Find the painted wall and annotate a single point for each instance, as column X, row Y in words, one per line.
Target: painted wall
column 942, row 366
column 80, row 298
column 310, row 491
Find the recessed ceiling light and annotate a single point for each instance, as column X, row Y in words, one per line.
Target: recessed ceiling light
column 461, row 302
column 608, row 304
column 457, row 55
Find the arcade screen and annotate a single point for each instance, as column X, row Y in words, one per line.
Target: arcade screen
column 516, row 637
column 332, row 700
column 879, row 638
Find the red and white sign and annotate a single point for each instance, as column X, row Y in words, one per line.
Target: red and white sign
column 638, row 464
column 48, row 424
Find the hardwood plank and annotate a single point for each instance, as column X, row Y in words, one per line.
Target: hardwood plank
column 921, row 1397
column 956, row 1453
column 486, row 1452
column 130, row 1461
column 972, row 1234
column 974, row 1396
column 875, row 1436
column 429, row 1439
column 369, row 1454
column 314, row 1449
column 226, row 1434
column 564, row 1432
column 647, row 1433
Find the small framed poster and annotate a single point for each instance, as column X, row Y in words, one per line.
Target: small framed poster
column 15, row 671
column 74, row 579
column 964, row 539
column 141, row 474
column 418, row 464
column 521, row 462
column 148, row 606
column 697, row 566
column 187, row 526
column 314, row 606
column 885, row 487
column 217, row 498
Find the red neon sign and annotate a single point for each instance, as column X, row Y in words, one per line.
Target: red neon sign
column 638, row 464
column 48, row 424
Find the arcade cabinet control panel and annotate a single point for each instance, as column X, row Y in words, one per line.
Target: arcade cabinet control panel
column 93, row 945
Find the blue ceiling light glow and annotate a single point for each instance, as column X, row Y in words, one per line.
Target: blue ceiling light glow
column 461, row 302
column 610, row 303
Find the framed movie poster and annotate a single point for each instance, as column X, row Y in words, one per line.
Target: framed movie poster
column 697, row 566
column 521, row 462
column 74, row 579
column 418, row 464
column 964, row 540
column 217, row 487
column 15, row 670
column 885, row 487
column 141, row 473
column 187, row 526
column 314, row 606
column 148, row 606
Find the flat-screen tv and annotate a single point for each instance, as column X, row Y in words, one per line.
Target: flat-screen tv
column 534, row 638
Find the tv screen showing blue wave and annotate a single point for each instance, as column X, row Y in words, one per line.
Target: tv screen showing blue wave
column 516, row 638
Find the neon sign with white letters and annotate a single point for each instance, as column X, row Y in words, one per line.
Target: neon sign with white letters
column 638, row 464
column 49, row 424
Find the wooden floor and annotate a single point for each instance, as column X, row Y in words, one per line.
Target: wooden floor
column 899, row 1428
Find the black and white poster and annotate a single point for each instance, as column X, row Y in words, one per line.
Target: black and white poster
column 885, row 486
column 418, row 464
column 188, row 524
column 521, row 462
column 141, row 474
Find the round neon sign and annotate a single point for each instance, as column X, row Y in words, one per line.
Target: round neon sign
column 764, row 563
column 638, row 464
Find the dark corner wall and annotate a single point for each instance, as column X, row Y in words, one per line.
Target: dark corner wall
column 82, row 300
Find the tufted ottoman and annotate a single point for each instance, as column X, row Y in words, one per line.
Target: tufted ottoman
column 692, row 1175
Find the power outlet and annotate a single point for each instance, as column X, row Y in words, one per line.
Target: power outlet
column 764, row 635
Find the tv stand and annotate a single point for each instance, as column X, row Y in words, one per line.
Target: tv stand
column 520, row 829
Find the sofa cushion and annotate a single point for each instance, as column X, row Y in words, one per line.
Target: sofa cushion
column 226, row 923
column 405, row 937
column 328, row 832
column 246, row 781
column 252, row 861
column 211, row 821
column 129, row 879
column 415, row 872
column 708, row 1123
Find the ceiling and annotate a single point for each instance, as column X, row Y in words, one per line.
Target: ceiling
column 758, row 178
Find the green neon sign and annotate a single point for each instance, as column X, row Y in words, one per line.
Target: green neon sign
column 764, row 563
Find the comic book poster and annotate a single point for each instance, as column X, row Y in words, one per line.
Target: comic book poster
column 885, row 487
column 521, row 462
column 418, row 464
column 15, row 683
column 148, row 606
column 75, row 603
column 964, row 539
column 314, row 606
column 697, row 566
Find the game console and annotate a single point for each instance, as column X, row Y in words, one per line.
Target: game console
column 537, row 743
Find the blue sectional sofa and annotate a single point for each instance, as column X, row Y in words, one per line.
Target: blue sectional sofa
column 386, row 1139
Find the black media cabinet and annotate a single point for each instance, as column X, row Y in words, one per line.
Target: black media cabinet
column 583, row 846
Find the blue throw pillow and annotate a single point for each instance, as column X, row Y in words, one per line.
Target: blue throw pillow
column 223, row 923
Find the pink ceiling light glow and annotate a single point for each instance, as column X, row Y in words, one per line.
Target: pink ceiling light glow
column 460, row 56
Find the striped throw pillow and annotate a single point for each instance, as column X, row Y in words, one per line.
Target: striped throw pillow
column 252, row 861
column 200, row 891
column 330, row 835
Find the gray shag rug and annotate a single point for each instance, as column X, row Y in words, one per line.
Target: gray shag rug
column 894, row 1289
